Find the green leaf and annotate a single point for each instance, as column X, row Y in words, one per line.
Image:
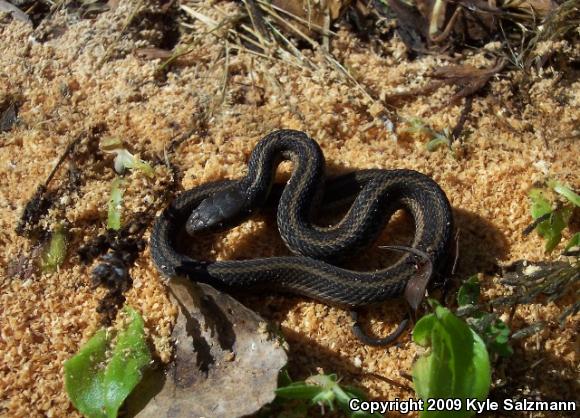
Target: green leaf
column 55, row 252
column 457, row 365
column 96, row 381
column 439, row 139
column 540, row 205
column 284, row 378
column 565, row 191
column 494, row 332
column 574, row 241
column 550, row 229
column 468, row 293
column 125, row 369
column 298, row 390
column 498, row 339
column 125, row 160
column 417, row 126
column 343, row 397
column 422, row 330
column 115, row 205
column 84, row 376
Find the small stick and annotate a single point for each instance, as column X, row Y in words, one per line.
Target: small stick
column 456, row 133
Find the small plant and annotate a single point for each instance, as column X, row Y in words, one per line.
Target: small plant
column 103, row 373
column 551, row 216
column 55, row 251
column 115, row 205
column 436, row 138
column 323, row 390
column 492, row 330
column 456, row 366
column 124, row 159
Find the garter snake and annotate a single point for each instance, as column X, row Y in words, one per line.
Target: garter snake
column 374, row 195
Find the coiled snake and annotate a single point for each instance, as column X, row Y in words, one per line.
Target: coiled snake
column 374, row 196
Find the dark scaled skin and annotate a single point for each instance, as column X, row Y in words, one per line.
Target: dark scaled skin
column 373, row 196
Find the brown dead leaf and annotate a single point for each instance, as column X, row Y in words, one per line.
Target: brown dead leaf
column 411, row 25
column 8, row 117
column 468, row 78
column 225, row 364
column 538, row 8
column 14, row 11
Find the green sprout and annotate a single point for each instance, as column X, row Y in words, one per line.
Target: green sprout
column 323, row 390
column 574, row 242
column 115, row 205
column 437, row 139
column 565, row 191
column 55, row 251
column 124, row 159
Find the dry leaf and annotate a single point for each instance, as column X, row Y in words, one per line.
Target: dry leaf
column 411, row 25
column 538, row 8
column 14, row 11
column 468, row 78
column 226, row 363
column 8, row 117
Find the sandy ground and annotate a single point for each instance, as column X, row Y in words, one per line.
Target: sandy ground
column 73, row 74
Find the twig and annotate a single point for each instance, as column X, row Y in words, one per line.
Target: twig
column 226, row 76
column 528, row 230
column 39, row 204
column 456, row 133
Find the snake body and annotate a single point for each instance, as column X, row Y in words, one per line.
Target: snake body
column 374, row 195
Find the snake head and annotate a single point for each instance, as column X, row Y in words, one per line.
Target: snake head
column 217, row 211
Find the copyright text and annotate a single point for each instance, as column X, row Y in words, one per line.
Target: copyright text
column 404, row 406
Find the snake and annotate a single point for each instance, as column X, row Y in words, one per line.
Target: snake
column 314, row 269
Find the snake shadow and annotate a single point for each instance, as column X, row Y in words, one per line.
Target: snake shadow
column 480, row 246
